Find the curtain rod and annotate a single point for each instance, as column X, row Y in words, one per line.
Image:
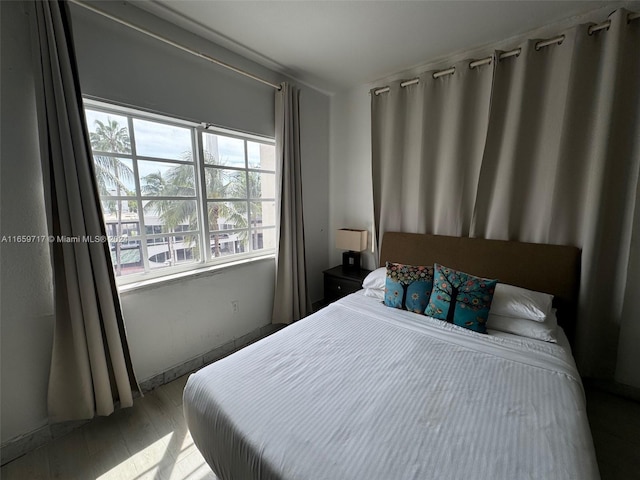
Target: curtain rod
column 485, row 61
column 174, row 44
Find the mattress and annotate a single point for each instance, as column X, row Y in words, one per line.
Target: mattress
column 363, row 391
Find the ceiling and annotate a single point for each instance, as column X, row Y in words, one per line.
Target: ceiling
column 333, row 45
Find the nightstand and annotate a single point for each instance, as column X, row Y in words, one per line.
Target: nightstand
column 339, row 282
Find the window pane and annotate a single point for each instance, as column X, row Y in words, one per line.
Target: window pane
column 263, row 238
column 170, row 251
column 108, row 132
column 114, row 176
column 160, row 140
column 165, row 179
column 263, row 214
column 126, row 258
column 227, row 215
column 166, row 216
column 187, row 249
column 223, row 183
column 221, row 150
column 262, row 185
column 149, row 174
column 229, row 243
column 261, row 156
column 122, row 223
column 121, row 217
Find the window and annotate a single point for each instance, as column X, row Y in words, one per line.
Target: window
column 176, row 196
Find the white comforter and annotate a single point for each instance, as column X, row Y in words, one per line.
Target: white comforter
column 362, row 391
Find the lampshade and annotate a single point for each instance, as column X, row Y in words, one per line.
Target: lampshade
column 349, row 239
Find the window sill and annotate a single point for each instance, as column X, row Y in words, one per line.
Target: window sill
column 204, row 271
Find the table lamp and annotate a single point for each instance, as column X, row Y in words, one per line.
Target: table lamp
column 355, row 241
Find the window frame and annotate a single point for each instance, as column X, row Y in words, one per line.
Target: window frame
column 203, row 232
column 248, row 199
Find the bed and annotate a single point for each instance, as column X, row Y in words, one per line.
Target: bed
column 359, row 390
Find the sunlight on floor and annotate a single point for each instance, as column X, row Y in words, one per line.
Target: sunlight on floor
column 172, row 457
column 149, row 441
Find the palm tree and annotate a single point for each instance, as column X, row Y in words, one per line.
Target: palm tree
column 179, row 181
column 255, row 191
column 111, row 171
column 225, row 184
column 172, row 212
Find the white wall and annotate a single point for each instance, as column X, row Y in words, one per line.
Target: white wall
column 119, row 64
column 174, row 322
column 314, row 150
column 170, row 324
column 350, row 168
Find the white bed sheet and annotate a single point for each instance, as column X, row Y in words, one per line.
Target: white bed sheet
column 362, row 391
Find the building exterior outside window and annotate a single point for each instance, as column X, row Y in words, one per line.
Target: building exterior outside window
column 177, row 196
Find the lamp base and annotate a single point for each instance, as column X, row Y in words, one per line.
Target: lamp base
column 351, row 261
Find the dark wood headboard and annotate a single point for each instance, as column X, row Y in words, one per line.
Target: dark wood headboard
column 553, row 269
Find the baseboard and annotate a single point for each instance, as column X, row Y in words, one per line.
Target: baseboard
column 23, row 444
column 18, row 446
column 614, row 388
column 200, row 361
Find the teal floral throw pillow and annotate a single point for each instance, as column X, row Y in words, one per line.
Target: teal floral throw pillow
column 408, row 287
column 460, row 298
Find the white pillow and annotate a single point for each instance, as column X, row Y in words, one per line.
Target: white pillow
column 512, row 301
column 374, row 293
column 376, row 279
column 546, row 330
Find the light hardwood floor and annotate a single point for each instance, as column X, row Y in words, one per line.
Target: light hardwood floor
column 615, row 427
column 151, row 441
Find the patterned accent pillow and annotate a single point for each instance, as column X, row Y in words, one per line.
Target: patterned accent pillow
column 460, row 298
column 408, row 287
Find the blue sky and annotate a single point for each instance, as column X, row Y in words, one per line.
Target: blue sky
column 172, row 142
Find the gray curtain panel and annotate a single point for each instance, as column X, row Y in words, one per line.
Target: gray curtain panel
column 428, row 140
column 291, row 299
column 91, row 369
column 550, row 154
